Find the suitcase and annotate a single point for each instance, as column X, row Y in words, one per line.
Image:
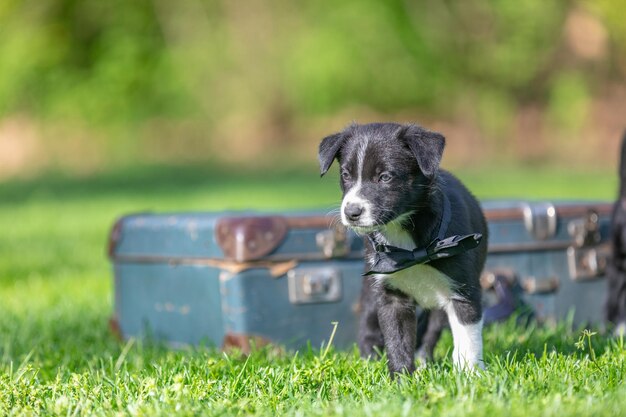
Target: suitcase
column 232, row 279
column 226, row 279
column 548, row 256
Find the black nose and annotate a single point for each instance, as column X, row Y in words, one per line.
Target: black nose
column 353, row 211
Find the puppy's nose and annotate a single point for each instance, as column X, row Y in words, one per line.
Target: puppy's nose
column 353, row 211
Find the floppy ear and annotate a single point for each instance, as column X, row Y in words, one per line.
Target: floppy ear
column 427, row 147
column 328, row 150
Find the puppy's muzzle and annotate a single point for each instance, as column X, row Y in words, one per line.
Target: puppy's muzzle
column 353, row 211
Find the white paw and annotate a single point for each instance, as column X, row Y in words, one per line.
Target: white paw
column 470, row 363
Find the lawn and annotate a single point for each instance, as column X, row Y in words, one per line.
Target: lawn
column 57, row 356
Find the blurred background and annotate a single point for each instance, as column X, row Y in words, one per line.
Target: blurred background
column 90, row 86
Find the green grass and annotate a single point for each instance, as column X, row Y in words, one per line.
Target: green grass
column 57, row 356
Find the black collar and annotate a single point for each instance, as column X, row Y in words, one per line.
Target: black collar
column 389, row 259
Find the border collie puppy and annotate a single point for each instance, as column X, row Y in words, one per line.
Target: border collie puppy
column 426, row 241
column 615, row 308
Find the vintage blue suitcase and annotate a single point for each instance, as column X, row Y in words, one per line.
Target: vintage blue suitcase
column 226, row 279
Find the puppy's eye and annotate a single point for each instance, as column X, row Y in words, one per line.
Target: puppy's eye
column 345, row 175
column 385, row 177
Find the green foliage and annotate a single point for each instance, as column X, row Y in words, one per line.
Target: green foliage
column 395, row 54
column 122, row 62
column 57, row 356
column 104, row 62
column 569, row 102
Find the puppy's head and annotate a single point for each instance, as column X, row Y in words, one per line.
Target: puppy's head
column 386, row 171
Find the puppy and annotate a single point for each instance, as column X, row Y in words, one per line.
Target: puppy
column 426, row 242
column 615, row 307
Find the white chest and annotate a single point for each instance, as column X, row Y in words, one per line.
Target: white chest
column 428, row 286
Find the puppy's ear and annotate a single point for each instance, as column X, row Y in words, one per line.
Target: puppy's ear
column 329, row 148
column 427, row 147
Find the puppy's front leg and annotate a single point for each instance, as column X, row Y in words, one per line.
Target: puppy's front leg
column 370, row 334
column 466, row 323
column 398, row 322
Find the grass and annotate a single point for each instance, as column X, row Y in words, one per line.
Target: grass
column 57, row 356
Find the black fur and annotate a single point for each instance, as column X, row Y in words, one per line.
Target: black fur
column 400, row 176
column 615, row 310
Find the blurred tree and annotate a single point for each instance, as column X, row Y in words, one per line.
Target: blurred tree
column 102, row 61
column 255, row 69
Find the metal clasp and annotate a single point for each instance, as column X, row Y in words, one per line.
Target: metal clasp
column 587, row 263
column 333, row 242
column 587, row 258
column 314, row 285
column 586, row 232
column 540, row 220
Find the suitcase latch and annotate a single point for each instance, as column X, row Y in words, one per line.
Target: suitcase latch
column 333, row 242
column 587, row 257
column 540, row 220
column 314, row 285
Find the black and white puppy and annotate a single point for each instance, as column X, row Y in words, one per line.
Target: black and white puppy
column 394, row 192
column 615, row 308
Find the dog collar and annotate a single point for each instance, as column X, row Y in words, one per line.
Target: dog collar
column 389, row 259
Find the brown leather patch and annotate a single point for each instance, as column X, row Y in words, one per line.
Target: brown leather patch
column 250, row 238
column 114, row 237
column 114, row 327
